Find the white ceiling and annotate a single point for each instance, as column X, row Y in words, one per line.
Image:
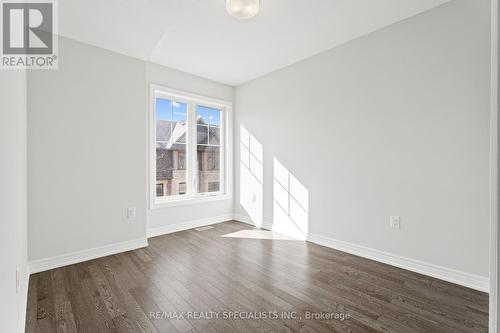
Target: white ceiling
column 198, row 37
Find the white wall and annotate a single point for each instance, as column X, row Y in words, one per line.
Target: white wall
column 393, row 123
column 494, row 313
column 86, row 151
column 13, row 233
column 163, row 76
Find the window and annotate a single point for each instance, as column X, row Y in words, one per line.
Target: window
column 171, row 145
column 213, row 186
column 182, row 188
column 159, row 190
column 208, row 124
column 190, row 154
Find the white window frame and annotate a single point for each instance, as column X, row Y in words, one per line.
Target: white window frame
column 192, row 196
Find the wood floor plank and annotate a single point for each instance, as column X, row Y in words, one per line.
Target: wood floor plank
column 128, row 304
column 83, row 314
column 95, row 305
column 31, row 313
column 65, row 322
column 45, row 304
column 208, row 281
column 110, row 300
column 148, row 289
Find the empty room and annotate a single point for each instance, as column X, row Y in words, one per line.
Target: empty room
column 275, row 166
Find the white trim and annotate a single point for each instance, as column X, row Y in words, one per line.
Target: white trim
column 493, row 307
column 243, row 219
column 171, row 228
column 24, row 300
column 217, row 102
column 443, row 273
column 159, row 204
column 45, row 264
column 439, row 272
column 247, row 220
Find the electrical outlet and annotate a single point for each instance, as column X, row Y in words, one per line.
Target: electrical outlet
column 131, row 212
column 395, row 222
column 17, row 280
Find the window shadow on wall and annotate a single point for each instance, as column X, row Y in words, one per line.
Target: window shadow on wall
column 290, row 203
column 251, row 176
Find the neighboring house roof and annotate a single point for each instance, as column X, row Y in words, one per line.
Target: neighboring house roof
column 170, row 132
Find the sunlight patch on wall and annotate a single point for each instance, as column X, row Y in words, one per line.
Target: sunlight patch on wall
column 290, row 204
column 251, row 176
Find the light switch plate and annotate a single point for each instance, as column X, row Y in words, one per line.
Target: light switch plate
column 131, row 212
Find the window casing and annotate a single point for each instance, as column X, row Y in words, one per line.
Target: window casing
column 190, row 151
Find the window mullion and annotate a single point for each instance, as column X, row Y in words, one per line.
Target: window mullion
column 223, row 152
column 192, row 148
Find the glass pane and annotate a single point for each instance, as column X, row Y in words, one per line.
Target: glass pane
column 163, row 130
column 202, row 115
column 163, row 109
column 179, row 122
column 206, row 115
column 213, row 186
column 182, row 188
column 179, row 132
column 209, row 122
column 179, row 112
column 171, row 136
column 171, row 120
column 161, row 144
column 182, row 160
column 208, row 168
column 214, row 135
column 163, row 119
column 202, row 134
column 214, row 117
column 171, row 169
column 159, row 190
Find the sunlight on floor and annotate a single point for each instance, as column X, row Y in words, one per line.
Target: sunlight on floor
column 260, row 234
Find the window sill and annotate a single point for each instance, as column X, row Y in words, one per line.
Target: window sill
column 165, row 203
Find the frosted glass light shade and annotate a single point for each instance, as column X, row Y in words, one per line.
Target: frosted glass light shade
column 243, row 9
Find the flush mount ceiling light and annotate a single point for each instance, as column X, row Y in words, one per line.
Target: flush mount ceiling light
column 243, row 9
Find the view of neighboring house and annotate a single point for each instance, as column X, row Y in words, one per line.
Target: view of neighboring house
column 171, row 147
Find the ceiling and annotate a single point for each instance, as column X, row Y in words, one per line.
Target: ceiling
column 199, row 37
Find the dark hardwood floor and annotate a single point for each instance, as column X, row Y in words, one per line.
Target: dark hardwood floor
column 183, row 281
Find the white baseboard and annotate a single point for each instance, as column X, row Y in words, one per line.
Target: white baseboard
column 168, row 229
column 44, row 264
column 243, row 219
column 468, row 280
column 439, row 272
column 447, row 274
column 247, row 220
